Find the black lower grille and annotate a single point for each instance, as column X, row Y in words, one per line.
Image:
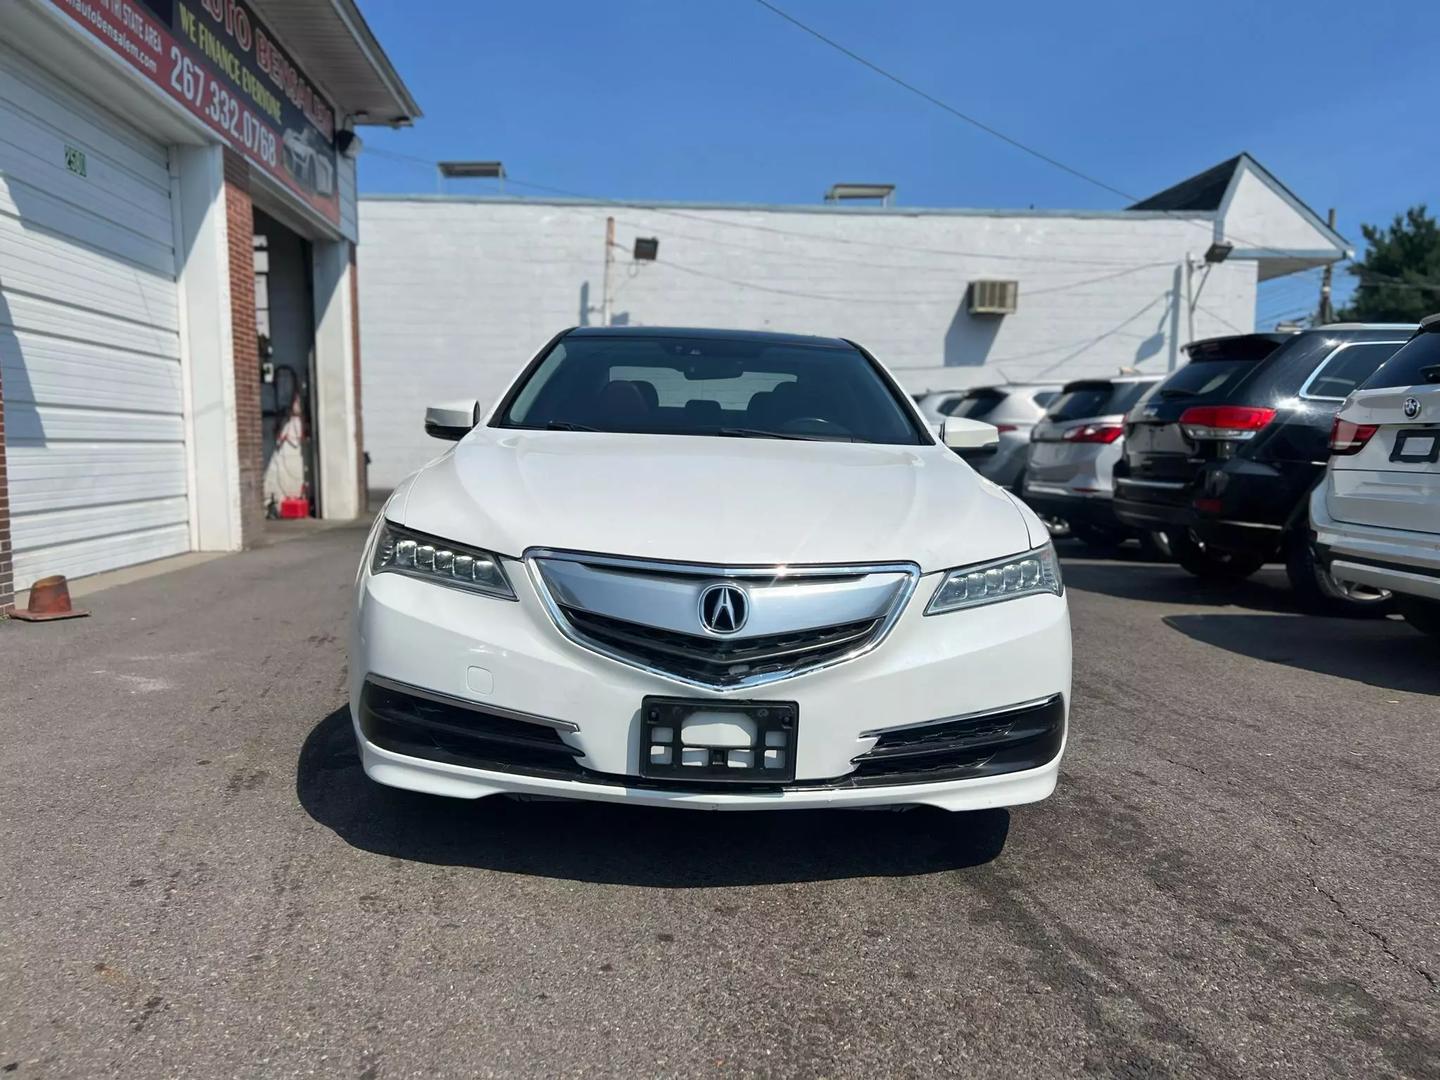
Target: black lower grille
column 467, row 734
column 1001, row 742
column 720, row 661
column 462, row 734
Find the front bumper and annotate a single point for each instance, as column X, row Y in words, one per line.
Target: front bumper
column 509, row 657
column 1396, row 559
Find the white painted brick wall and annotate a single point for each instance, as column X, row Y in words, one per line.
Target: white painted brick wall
column 457, row 294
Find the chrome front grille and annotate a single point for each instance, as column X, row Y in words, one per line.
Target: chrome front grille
column 651, row 615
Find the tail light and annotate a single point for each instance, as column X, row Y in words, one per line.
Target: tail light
column 1094, row 433
column 1350, row 438
column 1234, row 422
column 1003, row 428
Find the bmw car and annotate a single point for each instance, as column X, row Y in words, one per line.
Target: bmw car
column 709, row 569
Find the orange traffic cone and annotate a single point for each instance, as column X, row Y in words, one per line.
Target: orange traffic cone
column 49, row 599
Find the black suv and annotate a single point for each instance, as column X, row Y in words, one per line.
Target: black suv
column 1222, row 456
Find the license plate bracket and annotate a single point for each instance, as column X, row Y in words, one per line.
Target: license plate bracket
column 1416, row 446
column 770, row 757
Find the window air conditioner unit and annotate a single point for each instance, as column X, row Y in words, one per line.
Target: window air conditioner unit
column 993, row 297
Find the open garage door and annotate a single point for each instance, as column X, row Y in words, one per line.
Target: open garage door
column 89, row 335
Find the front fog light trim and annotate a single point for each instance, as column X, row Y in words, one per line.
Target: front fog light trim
column 456, row 566
column 1030, row 573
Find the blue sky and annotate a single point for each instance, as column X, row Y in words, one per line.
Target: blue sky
column 722, row 100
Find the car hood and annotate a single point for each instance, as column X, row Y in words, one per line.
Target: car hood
column 726, row 501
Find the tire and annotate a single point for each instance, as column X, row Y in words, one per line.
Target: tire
column 1423, row 615
column 1098, row 536
column 1155, row 546
column 1213, row 564
column 1323, row 594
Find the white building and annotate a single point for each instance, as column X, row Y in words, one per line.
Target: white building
column 459, row 292
column 148, row 148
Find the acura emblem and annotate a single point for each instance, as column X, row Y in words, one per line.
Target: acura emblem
column 724, row 608
column 1412, row 407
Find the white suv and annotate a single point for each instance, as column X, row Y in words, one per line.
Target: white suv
column 1376, row 517
column 709, row 569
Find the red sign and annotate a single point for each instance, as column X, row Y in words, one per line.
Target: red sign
column 223, row 64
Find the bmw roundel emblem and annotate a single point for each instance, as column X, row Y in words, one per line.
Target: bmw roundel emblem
column 1412, row 407
column 724, row 609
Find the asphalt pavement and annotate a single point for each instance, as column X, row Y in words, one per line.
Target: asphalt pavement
column 1237, row 877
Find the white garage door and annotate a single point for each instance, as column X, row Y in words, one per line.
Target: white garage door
column 89, row 335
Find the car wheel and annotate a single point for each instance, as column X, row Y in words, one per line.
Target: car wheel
column 1323, row 593
column 1213, row 564
column 1155, row 546
column 1423, row 615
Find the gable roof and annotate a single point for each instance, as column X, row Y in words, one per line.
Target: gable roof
column 1209, row 191
column 1203, row 191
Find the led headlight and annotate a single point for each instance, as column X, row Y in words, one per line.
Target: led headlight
column 401, row 551
column 1035, row 571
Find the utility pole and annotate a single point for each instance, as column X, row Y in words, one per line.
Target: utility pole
column 1326, row 313
column 1327, row 309
column 1190, row 297
column 605, row 295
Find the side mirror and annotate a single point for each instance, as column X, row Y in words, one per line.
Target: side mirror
column 969, row 438
column 452, row 420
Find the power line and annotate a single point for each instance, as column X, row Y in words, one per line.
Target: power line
column 933, row 100
column 947, row 107
column 790, row 253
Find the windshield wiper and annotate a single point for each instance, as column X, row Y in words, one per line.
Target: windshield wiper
column 1177, row 393
column 757, row 433
column 566, row 425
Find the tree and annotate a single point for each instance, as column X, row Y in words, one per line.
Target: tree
column 1400, row 273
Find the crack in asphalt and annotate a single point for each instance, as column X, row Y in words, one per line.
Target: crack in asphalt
column 1382, row 939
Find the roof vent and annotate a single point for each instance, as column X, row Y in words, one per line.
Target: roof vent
column 993, row 297
column 845, row 192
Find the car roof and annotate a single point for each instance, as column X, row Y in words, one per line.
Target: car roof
column 983, row 388
column 1097, row 382
column 1257, row 341
column 1365, row 326
column 710, row 334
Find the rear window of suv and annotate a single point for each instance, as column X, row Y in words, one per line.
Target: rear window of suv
column 1219, row 365
column 977, row 404
column 1080, row 400
column 1418, row 362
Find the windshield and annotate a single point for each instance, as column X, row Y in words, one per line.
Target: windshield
column 738, row 387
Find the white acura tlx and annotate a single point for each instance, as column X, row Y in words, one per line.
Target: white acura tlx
column 712, row 569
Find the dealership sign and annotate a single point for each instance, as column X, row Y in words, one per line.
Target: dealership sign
column 220, row 61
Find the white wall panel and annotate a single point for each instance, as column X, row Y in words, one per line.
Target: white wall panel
column 458, row 293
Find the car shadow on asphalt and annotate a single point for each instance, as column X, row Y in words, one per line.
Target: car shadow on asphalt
column 631, row 845
column 1378, row 652
column 1166, row 583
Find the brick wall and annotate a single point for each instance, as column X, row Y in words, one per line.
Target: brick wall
column 7, row 573
column 240, row 227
